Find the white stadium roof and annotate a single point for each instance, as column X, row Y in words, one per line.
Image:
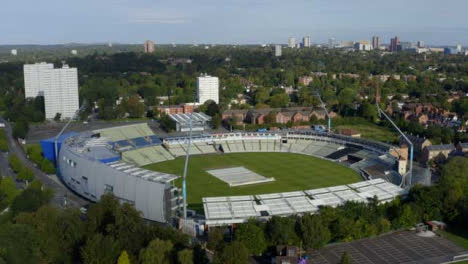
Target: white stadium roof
column 238, row 209
column 148, row 175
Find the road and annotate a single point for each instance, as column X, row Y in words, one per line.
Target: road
column 50, row 181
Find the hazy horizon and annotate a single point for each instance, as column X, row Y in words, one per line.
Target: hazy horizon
column 231, row 21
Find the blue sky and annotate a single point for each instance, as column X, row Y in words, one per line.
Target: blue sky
column 231, row 21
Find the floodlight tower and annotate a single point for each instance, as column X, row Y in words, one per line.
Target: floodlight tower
column 381, row 112
column 322, row 105
column 184, row 183
column 187, row 156
column 83, row 106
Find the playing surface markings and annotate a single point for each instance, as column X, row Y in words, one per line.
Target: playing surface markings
column 239, row 176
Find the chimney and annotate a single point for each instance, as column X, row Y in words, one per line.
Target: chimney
column 377, row 94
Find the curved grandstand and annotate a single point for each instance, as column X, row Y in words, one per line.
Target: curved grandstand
column 109, row 161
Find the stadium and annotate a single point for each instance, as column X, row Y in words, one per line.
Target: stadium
column 232, row 176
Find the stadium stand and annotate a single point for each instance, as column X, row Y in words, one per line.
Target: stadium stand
column 220, row 210
column 145, row 156
column 341, row 153
column 205, row 148
column 126, row 132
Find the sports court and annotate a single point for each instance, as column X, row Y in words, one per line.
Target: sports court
column 239, row 176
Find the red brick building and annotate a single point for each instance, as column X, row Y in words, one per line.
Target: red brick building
column 278, row 115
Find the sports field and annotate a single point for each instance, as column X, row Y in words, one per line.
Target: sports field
column 292, row 172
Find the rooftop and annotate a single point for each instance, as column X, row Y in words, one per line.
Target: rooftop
column 184, row 119
column 238, row 209
column 441, row 147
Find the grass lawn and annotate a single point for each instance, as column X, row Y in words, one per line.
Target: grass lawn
column 372, row 131
column 292, row 172
column 458, row 236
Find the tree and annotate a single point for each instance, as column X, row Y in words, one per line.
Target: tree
column 100, row 249
column 216, row 121
column 261, row 96
column 30, row 200
column 20, row 244
column 57, row 117
column 211, row 108
column 280, row 231
column 270, row 118
column 157, row 252
column 60, row 232
column 383, row 225
column 252, row 237
column 234, row 253
column 123, row 258
column 279, row 100
column 407, row 217
column 8, row 188
column 185, row 256
column 305, row 98
column 134, row 107
column 26, row 174
column 128, row 228
column 167, row 123
column 3, row 141
column 368, row 111
column 314, row 231
column 15, row 163
column 345, row 258
column 215, row 238
column 199, row 255
column 47, row 166
column 20, row 128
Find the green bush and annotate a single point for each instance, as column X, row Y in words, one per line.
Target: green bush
column 3, row 141
column 35, row 154
column 26, row 174
column 15, row 163
column 47, row 166
column 3, row 145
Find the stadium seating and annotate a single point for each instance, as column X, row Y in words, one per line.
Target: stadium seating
column 147, row 155
column 126, row 132
column 205, row 148
column 177, row 150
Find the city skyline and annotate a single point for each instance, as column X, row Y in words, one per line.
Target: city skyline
column 208, row 21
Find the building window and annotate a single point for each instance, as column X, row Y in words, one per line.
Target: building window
column 108, row 188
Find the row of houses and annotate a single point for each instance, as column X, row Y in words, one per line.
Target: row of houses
column 274, row 115
column 424, row 151
column 426, row 114
column 306, row 80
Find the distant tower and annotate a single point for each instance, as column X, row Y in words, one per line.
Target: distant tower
column 375, row 42
column 149, row 46
column 331, row 43
column 14, row 52
column 207, row 89
column 292, row 42
column 278, row 51
column 306, row 42
column 58, row 86
column 394, row 42
column 420, row 44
